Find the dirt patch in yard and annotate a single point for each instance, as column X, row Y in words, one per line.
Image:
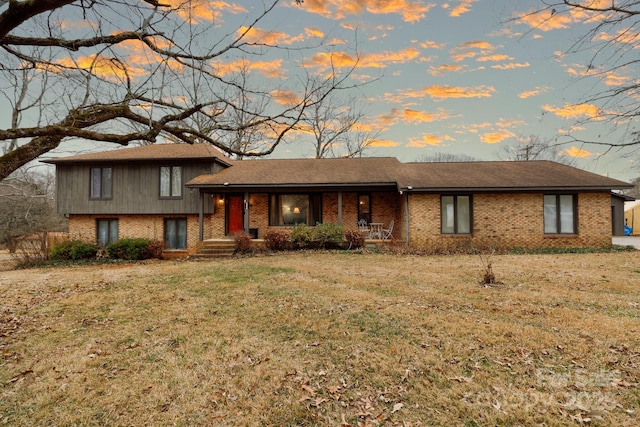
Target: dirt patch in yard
column 324, row 339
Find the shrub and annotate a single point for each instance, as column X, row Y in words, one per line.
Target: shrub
column 277, row 240
column 155, row 248
column 354, row 239
column 328, row 236
column 73, row 250
column 131, row 249
column 243, row 242
column 301, row 236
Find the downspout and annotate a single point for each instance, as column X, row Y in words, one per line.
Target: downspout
column 407, row 221
column 339, row 207
column 201, row 216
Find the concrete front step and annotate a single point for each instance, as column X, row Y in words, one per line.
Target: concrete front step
column 217, row 248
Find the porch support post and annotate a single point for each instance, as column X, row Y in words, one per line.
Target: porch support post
column 339, row 207
column 246, row 212
column 201, row 215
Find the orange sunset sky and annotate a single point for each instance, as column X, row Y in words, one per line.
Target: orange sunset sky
column 459, row 76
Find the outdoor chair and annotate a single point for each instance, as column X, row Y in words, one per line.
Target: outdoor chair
column 386, row 232
column 362, row 226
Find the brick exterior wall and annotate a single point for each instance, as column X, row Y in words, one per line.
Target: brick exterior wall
column 499, row 220
column 511, row 220
column 83, row 227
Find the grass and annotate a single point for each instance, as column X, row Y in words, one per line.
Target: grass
column 324, row 339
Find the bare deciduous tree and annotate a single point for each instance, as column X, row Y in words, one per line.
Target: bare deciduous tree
column 446, row 157
column 534, row 148
column 26, row 207
column 138, row 71
column 611, row 42
column 334, row 125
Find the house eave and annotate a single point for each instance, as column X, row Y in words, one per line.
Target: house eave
column 60, row 162
column 510, row 189
column 229, row 188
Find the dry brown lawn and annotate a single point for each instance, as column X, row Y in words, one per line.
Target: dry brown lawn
column 324, row 339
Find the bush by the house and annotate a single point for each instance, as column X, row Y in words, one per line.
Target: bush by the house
column 243, row 242
column 354, row 239
column 277, row 240
column 301, row 236
column 132, row 249
column 73, row 250
column 327, row 236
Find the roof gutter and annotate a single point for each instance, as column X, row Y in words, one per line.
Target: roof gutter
column 510, row 189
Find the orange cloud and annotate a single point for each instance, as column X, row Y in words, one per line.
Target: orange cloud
column 439, row 93
column 377, row 60
column 445, row 68
column 511, row 66
column 384, row 143
column 463, row 7
column 338, row 9
column 545, row 21
column 612, row 79
column 572, row 111
column 314, row 33
column 285, row 97
column 576, row 152
column 622, row 36
column 428, row 140
column 445, row 92
column 268, row 68
column 495, row 137
column 75, row 25
column 494, row 58
column 431, row 45
column 529, row 93
column 102, row 67
column 196, row 11
column 410, row 116
column 258, row 36
column 471, row 50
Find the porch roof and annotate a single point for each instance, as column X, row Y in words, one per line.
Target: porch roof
column 501, row 176
column 366, row 172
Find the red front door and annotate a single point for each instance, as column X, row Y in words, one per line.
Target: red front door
column 234, row 214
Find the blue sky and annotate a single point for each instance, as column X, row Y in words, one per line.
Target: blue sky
column 457, row 77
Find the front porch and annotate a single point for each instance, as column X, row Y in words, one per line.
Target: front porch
column 257, row 214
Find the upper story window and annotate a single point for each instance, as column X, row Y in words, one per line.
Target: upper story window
column 291, row 209
column 455, row 214
column 101, row 182
column 560, row 214
column 171, row 181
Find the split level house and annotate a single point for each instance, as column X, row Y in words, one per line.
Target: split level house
column 184, row 194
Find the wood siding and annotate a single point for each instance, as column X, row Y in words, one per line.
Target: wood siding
column 135, row 189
